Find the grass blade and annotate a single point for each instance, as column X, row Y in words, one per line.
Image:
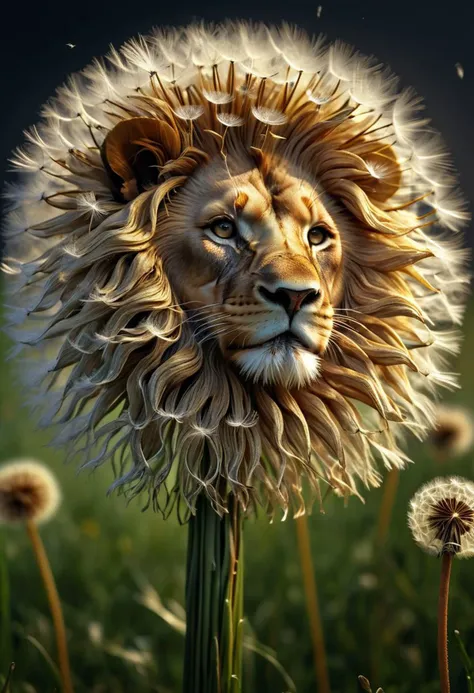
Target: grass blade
column 6, row 685
column 47, row 658
column 5, row 612
column 466, row 660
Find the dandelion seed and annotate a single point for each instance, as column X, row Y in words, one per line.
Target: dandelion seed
column 459, row 70
column 318, row 11
column 269, row 116
column 203, row 431
column 89, row 204
column 190, row 112
column 71, row 45
column 230, row 120
column 377, row 170
column 218, row 97
column 318, row 99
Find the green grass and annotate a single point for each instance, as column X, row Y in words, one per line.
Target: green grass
column 379, row 611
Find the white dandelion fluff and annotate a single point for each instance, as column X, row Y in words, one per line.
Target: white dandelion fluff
column 189, row 112
column 269, row 116
column 441, row 516
column 28, row 491
column 230, row 120
column 218, row 97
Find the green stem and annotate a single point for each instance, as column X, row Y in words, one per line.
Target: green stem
column 214, row 576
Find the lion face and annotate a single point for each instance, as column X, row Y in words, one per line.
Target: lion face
column 255, row 257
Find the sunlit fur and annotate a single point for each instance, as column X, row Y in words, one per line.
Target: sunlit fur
column 114, row 277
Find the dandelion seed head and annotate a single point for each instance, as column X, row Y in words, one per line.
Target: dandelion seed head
column 441, row 516
column 28, row 491
column 453, row 434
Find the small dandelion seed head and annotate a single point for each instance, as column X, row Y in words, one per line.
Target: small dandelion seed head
column 28, row 491
column 269, row 116
column 190, row 112
column 217, row 97
column 441, row 517
column 453, row 434
column 230, row 120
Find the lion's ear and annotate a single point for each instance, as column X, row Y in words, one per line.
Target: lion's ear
column 133, row 152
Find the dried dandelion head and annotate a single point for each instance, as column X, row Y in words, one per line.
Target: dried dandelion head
column 453, row 434
column 28, row 491
column 441, row 517
column 234, row 257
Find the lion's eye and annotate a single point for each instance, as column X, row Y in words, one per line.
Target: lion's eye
column 318, row 235
column 223, row 228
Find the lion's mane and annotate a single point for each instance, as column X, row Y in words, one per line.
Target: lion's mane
column 110, row 345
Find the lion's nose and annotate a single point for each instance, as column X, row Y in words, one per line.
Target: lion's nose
column 292, row 300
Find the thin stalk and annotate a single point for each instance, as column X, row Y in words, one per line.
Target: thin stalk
column 54, row 605
column 446, row 563
column 214, row 576
column 386, row 507
column 312, row 602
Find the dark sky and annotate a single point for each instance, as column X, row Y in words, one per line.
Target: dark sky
column 421, row 41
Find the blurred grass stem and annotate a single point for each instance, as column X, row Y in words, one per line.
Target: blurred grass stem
column 390, row 489
column 54, row 605
column 6, row 686
column 312, row 603
column 446, row 563
column 5, row 611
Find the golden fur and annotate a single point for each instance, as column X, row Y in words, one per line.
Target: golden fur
column 148, row 318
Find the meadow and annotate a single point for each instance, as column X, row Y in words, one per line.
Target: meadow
column 120, row 573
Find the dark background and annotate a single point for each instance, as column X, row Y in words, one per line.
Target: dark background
column 422, row 41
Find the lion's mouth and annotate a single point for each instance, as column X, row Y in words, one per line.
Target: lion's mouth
column 284, row 340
